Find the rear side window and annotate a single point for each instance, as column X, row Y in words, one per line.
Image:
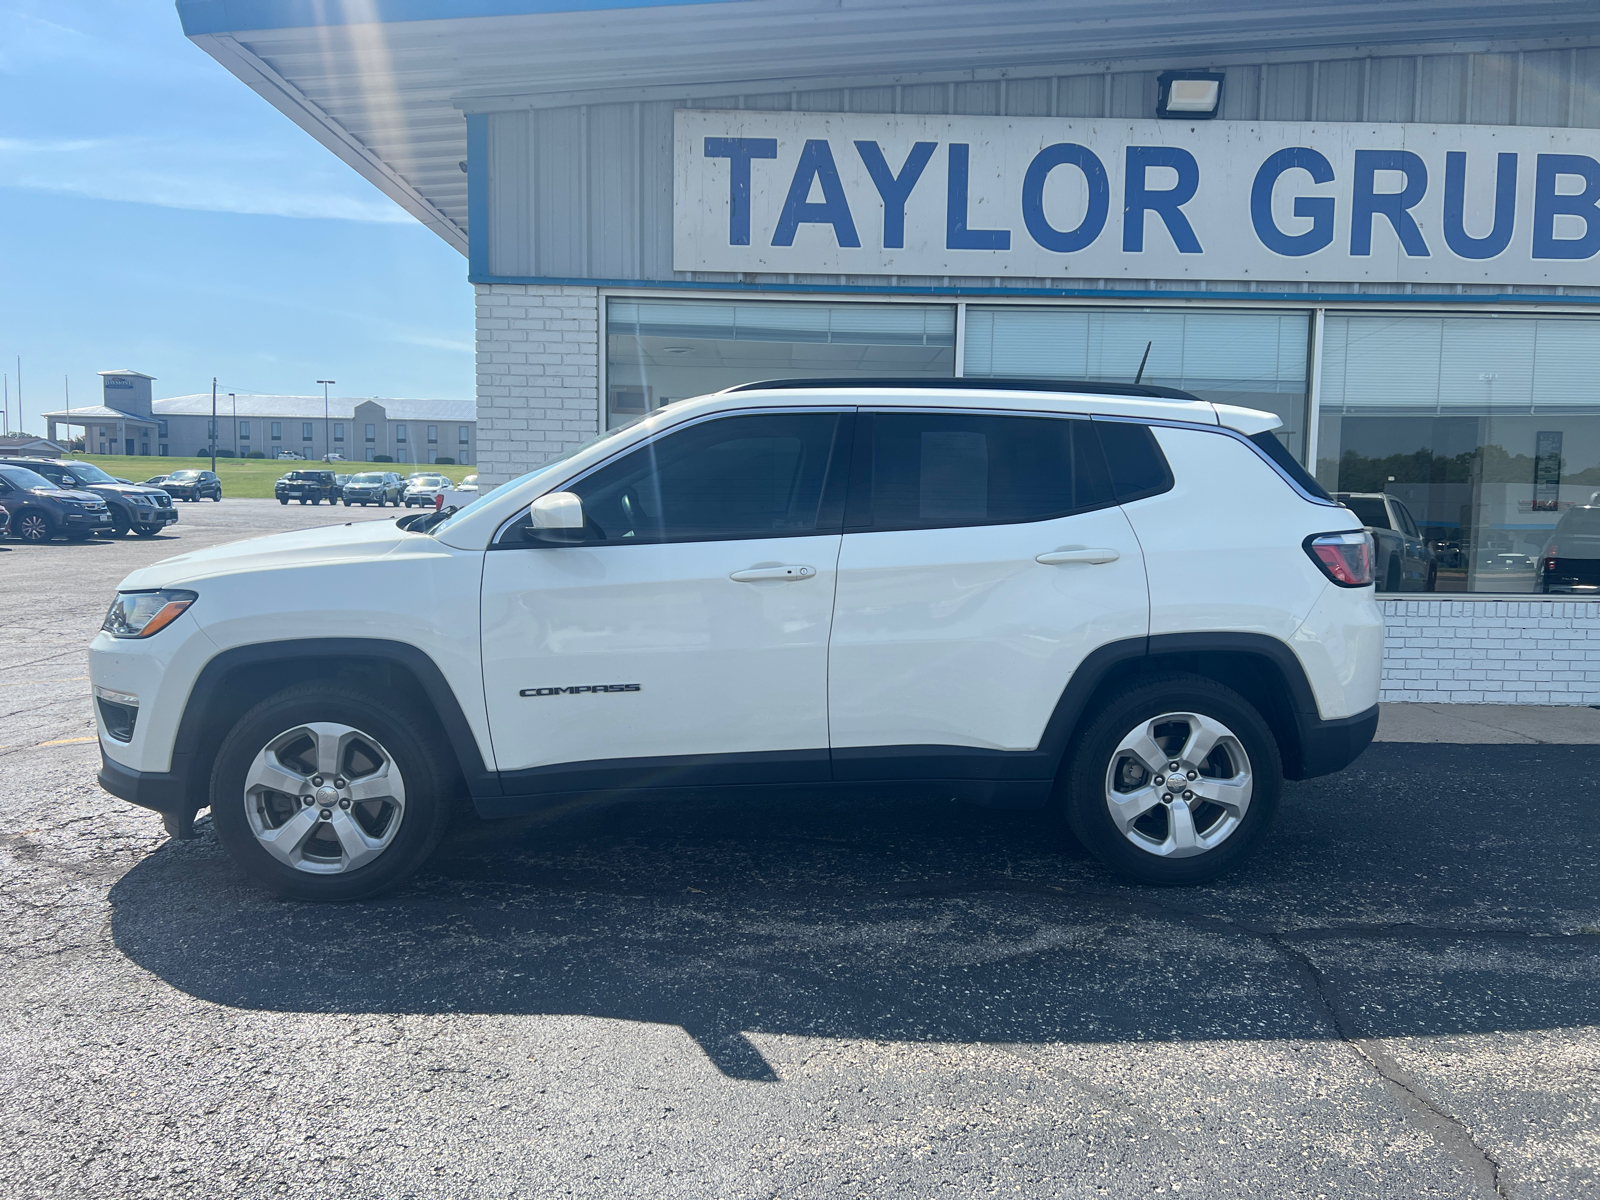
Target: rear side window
column 915, row 470
column 1369, row 511
column 1279, row 453
column 1138, row 468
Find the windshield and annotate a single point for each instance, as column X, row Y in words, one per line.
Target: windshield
column 1579, row 522
column 182, row 476
column 488, row 497
column 367, row 477
column 87, row 472
column 24, row 478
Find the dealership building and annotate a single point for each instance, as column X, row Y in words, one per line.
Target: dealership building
column 129, row 421
column 1380, row 222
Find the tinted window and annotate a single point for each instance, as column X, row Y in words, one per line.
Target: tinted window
column 1579, row 521
column 87, row 473
column 1279, row 453
column 1370, row 512
column 1138, row 468
column 25, row 478
column 735, row 477
column 181, row 476
column 925, row 470
column 1407, row 525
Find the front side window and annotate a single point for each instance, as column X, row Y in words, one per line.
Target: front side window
column 916, row 470
column 756, row 476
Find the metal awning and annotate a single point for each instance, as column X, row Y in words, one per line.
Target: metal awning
column 384, row 83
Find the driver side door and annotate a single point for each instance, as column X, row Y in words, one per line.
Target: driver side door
column 683, row 639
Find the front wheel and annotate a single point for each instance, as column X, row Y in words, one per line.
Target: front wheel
column 323, row 792
column 285, row 503
column 1175, row 782
column 217, row 498
column 147, row 531
column 31, row 527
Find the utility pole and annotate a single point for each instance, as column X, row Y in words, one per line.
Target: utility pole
column 326, row 441
column 213, row 424
column 235, row 400
column 19, row 394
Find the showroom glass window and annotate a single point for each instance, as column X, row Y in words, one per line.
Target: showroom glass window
column 658, row 351
column 1485, row 427
column 1254, row 359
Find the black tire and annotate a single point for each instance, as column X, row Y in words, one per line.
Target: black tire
column 1433, row 578
column 1391, row 579
column 120, row 526
column 1086, row 778
column 217, row 499
column 283, row 502
column 429, row 774
column 30, row 525
column 304, row 501
column 347, row 504
column 147, row 531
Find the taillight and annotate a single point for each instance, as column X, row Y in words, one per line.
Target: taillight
column 1345, row 558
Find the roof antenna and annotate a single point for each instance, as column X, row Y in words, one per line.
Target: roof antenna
column 1142, row 362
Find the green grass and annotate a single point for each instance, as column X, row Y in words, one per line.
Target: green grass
column 250, row 478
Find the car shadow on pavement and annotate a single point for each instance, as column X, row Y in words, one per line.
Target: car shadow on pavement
column 1429, row 890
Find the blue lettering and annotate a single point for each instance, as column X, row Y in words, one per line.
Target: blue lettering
column 816, row 164
column 956, row 234
column 739, row 152
column 1368, row 203
column 1166, row 204
column 1094, row 217
column 895, row 189
column 1455, row 207
column 1318, row 208
column 1548, row 204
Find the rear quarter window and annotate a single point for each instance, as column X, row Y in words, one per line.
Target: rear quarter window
column 1138, row 468
column 1269, row 444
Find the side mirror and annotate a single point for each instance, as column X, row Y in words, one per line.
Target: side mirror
column 555, row 519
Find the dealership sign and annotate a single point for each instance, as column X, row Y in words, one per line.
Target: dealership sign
column 1051, row 198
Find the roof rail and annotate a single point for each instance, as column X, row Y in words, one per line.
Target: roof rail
column 1090, row 387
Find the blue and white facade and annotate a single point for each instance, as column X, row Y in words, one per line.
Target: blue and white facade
column 1388, row 233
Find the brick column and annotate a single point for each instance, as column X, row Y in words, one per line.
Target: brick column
column 538, row 375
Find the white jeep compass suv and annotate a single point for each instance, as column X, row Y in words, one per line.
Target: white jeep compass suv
column 1123, row 601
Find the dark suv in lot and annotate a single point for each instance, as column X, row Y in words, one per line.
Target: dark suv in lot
column 40, row 510
column 134, row 507
column 308, row 487
column 192, row 485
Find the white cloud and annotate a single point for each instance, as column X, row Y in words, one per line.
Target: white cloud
column 194, row 174
column 436, row 343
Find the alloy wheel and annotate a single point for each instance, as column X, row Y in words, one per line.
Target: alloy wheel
column 32, row 527
column 324, row 798
column 1178, row 784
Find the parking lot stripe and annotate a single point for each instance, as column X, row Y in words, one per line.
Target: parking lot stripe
column 69, row 741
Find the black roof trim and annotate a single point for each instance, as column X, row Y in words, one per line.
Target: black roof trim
column 972, row 384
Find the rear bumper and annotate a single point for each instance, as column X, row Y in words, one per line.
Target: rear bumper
column 1329, row 746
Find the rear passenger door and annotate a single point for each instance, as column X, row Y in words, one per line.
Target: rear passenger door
column 983, row 558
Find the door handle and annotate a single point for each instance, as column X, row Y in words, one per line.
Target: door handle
column 786, row 573
column 1078, row 554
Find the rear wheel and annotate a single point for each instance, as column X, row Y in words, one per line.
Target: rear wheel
column 1175, row 781
column 324, row 793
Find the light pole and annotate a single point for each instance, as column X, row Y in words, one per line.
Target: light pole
column 213, row 424
column 327, row 443
column 235, row 400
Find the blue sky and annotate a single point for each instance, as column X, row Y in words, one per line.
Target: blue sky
column 157, row 214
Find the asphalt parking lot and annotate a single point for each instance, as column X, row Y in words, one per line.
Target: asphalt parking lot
column 790, row 995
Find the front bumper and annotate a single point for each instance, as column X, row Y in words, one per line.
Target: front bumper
column 87, row 520
column 157, row 517
column 160, row 791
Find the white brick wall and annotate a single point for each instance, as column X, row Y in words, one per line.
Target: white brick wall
column 538, row 374
column 1491, row 651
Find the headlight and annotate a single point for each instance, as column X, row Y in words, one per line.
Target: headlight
column 141, row 614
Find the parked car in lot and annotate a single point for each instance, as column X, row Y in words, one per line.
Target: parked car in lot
column 1570, row 561
column 156, row 481
column 373, row 487
column 469, row 483
column 135, row 508
column 308, row 487
column 288, row 454
column 1122, row 602
column 192, row 485
column 422, row 490
column 1405, row 560
column 40, row 510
